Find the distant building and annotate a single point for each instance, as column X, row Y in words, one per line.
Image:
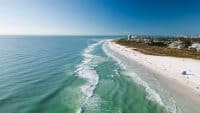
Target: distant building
column 154, row 42
column 133, row 37
column 176, row 44
column 147, row 41
column 129, row 37
column 194, row 47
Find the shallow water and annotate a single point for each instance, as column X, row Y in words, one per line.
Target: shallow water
column 68, row 74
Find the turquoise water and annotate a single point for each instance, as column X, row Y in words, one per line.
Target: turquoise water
column 68, row 74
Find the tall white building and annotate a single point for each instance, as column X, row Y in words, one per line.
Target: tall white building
column 129, row 37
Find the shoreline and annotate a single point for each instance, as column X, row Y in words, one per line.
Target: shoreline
column 168, row 70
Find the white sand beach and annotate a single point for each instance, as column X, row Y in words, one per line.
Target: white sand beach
column 169, row 67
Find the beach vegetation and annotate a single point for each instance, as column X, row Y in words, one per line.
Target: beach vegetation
column 160, row 48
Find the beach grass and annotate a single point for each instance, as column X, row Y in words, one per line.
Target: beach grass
column 157, row 50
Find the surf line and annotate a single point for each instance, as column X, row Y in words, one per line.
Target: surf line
column 152, row 94
column 86, row 71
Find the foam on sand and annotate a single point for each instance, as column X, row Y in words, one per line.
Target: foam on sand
column 152, row 94
column 170, row 67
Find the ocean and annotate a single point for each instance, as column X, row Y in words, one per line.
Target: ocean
column 74, row 74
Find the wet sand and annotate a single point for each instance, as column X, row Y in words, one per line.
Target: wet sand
column 185, row 93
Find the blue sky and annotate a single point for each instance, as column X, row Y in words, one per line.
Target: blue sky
column 99, row 17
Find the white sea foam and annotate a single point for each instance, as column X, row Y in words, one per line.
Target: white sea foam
column 152, row 94
column 86, row 70
column 79, row 110
column 108, row 53
column 169, row 104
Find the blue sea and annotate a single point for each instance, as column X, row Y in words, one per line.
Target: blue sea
column 74, row 74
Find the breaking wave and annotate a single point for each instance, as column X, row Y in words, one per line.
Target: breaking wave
column 86, row 71
column 152, row 94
